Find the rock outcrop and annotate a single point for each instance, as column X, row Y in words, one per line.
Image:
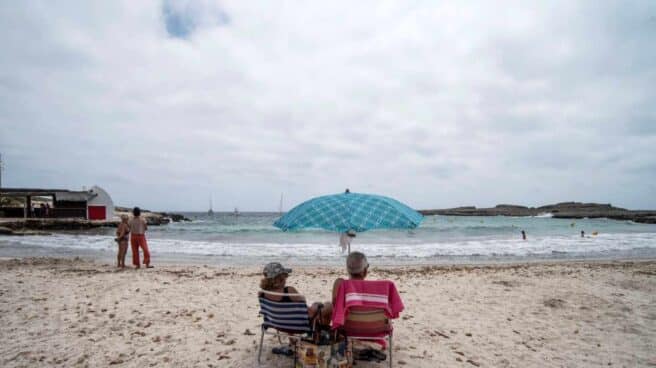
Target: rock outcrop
column 24, row 226
column 37, row 226
column 153, row 218
column 175, row 217
column 570, row 210
column 20, row 232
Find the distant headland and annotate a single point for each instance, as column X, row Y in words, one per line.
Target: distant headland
column 569, row 210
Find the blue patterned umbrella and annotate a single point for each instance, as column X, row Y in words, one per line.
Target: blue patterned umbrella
column 350, row 211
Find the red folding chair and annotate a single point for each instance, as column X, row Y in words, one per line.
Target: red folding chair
column 367, row 324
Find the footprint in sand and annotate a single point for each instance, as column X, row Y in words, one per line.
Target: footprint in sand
column 554, row 303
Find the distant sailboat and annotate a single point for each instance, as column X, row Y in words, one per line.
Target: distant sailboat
column 236, row 213
column 210, row 212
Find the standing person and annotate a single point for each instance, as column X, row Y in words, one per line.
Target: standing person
column 523, row 234
column 345, row 240
column 582, row 234
column 138, row 229
column 122, row 239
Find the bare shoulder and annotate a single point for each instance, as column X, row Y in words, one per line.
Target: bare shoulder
column 336, row 285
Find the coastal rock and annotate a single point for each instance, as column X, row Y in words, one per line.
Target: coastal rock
column 568, row 210
column 28, row 232
column 175, row 217
column 22, row 225
column 153, row 218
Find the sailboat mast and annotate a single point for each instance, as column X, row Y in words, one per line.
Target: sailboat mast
column 280, row 207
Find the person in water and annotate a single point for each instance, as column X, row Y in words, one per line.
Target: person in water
column 275, row 280
column 523, row 234
column 122, row 239
column 345, row 240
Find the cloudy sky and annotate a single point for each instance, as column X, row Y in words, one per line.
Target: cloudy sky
column 439, row 104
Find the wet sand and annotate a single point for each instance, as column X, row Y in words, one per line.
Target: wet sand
column 79, row 313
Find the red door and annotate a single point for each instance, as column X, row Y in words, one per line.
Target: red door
column 97, row 213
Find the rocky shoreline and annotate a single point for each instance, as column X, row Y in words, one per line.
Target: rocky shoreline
column 152, row 218
column 568, row 210
column 42, row 226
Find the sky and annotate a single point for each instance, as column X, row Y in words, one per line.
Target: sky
column 438, row 104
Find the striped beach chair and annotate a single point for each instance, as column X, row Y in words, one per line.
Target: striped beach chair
column 290, row 318
column 367, row 324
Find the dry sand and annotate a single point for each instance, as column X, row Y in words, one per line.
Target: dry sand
column 77, row 313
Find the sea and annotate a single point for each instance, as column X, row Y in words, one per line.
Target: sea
column 251, row 239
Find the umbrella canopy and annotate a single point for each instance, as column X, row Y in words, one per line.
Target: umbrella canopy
column 350, row 211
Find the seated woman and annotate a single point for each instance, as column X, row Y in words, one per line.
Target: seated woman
column 275, row 279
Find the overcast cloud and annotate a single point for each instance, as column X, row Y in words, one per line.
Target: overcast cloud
column 438, row 104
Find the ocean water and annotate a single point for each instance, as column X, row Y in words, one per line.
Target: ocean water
column 251, row 239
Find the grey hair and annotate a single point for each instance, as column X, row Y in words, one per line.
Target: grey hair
column 356, row 263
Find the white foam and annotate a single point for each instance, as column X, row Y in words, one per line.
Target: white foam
column 483, row 246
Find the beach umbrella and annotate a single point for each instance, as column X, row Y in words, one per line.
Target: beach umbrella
column 350, row 212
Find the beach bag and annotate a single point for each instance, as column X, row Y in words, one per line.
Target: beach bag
column 311, row 355
column 321, row 334
column 323, row 349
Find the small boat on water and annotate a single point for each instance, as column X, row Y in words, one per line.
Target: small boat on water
column 210, row 212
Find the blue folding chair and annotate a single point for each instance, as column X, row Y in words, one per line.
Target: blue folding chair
column 290, row 318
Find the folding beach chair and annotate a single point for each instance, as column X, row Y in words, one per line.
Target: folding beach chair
column 290, row 318
column 363, row 310
column 367, row 324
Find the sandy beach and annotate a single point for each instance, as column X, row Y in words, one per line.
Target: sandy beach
column 79, row 313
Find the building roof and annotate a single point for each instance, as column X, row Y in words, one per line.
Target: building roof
column 31, row 190
column 59, row 194
column 74, row 196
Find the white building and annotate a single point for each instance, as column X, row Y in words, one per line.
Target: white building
column 99, row 205
column 92, row 204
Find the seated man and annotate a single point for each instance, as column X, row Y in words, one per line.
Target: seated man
column 356, row 297
column 357, row 292
column 356, row 266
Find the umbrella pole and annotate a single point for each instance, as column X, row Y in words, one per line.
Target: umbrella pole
column 349, row 248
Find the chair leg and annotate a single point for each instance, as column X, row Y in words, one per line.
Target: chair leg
column 390, row 349
column 348, row 351
column 259, row 354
